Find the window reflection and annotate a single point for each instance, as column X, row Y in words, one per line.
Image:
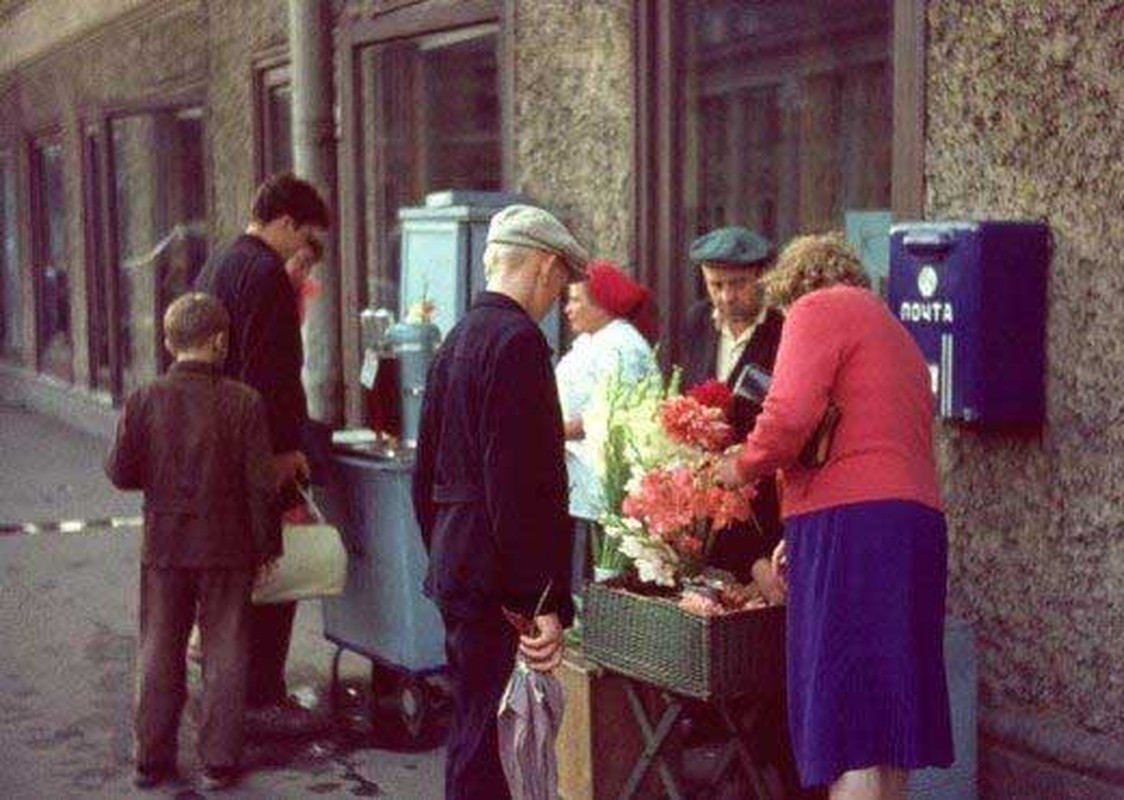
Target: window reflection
column 279, row 129
column 789, row 114
column 160, row 222
column 52, row 284
column 11, row 317
column 430, row 122
column 97, row 279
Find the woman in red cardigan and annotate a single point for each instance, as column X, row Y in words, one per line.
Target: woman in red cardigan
column 865, row 541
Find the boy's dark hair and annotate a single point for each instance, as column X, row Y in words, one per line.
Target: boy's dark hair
column 287, row 195
column 192, row 319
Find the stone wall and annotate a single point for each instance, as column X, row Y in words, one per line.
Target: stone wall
column 140, row 55
column 574, row 115
column 163, row 49
column 239, row 33
column 1026, row 120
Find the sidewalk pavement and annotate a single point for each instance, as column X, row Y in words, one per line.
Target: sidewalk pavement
column 67, row 642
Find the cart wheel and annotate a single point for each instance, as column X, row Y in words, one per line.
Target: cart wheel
column 400, row 705
column 413, row 706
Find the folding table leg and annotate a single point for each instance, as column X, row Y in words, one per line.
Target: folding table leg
column 653, row 742
column 736, row 748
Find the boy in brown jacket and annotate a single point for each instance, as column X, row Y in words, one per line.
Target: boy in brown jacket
column 198, row 445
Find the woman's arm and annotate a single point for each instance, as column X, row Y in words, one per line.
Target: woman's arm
column 807, row 361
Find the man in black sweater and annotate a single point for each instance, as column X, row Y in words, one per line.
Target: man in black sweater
column 724, row 333
column 249, row 278
column 489, row 487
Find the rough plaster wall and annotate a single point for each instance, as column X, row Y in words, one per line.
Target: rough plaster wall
column 238, row 32
column 1026, row 119
column 573, row 115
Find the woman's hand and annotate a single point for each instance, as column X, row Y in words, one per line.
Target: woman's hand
column 780, row 563
column 574, row 429
column 769, row 581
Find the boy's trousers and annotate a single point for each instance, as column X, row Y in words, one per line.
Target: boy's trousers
column 169, row 599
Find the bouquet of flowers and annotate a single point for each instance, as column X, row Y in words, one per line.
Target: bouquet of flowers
column 660, row 453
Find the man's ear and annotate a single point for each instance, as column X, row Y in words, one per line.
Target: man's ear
column 220, row 339
column 168, row 346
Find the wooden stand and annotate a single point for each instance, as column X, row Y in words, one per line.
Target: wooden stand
column 599, row 742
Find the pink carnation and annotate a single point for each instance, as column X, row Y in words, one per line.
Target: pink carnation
column 689, row 422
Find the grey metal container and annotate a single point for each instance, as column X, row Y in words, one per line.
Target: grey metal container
column 414, row 343
column 382, row 612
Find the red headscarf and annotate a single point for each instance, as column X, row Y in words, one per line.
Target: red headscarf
column 612, row 289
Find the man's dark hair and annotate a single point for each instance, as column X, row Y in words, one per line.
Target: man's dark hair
column 192, row 319
column 287, row 195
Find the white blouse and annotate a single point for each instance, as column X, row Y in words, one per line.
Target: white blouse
column 584, row 370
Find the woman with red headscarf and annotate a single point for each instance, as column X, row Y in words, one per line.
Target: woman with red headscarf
column 613, row 321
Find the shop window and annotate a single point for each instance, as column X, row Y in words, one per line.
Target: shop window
column 11, row 284
column 788, row 114
column 97, row 277
column 275, row 121
column 159, row 229
column 52, row 274
column 430, row 121
column 775, row 115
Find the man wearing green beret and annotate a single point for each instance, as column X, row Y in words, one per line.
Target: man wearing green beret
column 728, row 330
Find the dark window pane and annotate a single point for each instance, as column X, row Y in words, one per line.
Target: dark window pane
column 788, row 114
column 98, row 279
column 279, row 136
column 53, row 284
column 159, row 183
column 11, row 306
column 431, row 122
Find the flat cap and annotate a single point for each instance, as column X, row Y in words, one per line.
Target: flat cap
column 734, row 246
column 530, row 226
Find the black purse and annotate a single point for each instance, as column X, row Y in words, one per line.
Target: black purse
column 752, row 385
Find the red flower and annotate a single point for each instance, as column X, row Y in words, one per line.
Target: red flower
column 692, row 423
column 714, row 394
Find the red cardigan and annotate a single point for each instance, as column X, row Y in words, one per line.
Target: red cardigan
column 842, row 343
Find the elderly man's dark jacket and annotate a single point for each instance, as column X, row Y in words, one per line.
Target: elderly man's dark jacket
column 265, row 332
column 198, row 445
column 489, row 486
column 738, row 547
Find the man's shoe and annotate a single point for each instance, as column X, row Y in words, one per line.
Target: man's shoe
column 149, row 777
column 284, row 719
column 215, row 779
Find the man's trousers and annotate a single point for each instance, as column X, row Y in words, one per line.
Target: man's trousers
column 481, row 656
column 271, row 629
column 170, row 601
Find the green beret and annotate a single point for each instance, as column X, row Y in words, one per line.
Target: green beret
column 735, row 245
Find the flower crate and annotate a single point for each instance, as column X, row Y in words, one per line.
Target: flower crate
column 710, row 658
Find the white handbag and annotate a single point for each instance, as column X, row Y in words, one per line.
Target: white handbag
column 314, row 563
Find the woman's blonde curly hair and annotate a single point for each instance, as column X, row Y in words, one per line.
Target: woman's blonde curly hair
column 812, row 262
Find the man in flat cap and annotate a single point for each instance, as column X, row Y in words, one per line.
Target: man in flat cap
column 729, row 330
column 725, row 332
column 490, row 487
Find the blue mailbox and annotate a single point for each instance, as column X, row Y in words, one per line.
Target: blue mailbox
column 973, row 295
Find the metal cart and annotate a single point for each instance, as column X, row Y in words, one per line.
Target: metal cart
column 382, row 613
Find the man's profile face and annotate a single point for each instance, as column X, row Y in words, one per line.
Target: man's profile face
column 734, row 291
column 298, row 237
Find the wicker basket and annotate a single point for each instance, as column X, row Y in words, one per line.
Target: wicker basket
column 650, row 638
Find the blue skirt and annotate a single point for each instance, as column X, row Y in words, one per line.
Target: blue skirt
column 865, row 639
